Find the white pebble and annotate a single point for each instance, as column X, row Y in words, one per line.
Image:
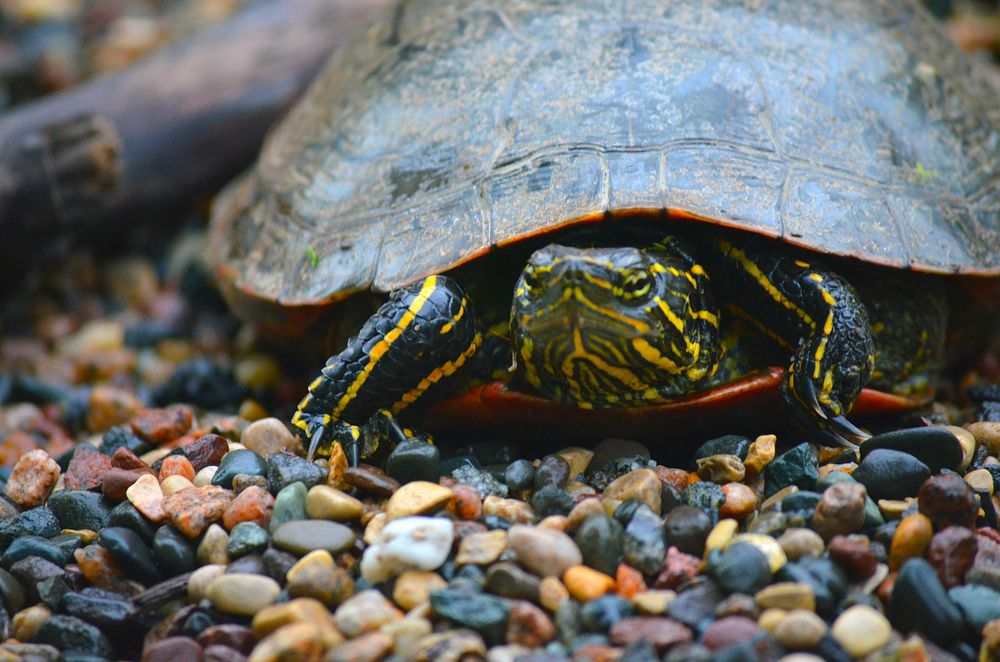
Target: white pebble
column 410, row 543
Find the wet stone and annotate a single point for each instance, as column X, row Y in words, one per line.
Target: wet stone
column 242, row 482
column 411, row 543
column 35, row 522
column 543, row 551
column 371, row 479
column 78, row 509
column 240, row 461
column 117, row 481
column 316, row 576
column 283, row 469
column 479, row 480
column 417, row 498
column 173, row 649
column 131, row 553
column 551, row 500
column 741, row 568
column 366, row 611
column 206, row 451
column 158, row 426
column 687, row 528
column 936, row 447
column 242, row 594
column 289, row 505
column 253, row 504
column 889, row 474
column 730, row 444
column 919, row 603
column 268, row 436
column 641, row 485
column 796, row 466
column 246, row 538
column 213, row 549
column 32, row 480
column 68, row 633
column 854, row 555
column 33, row 546
column 644, row 547
column 303, row 536
column 486, row 614
column 528, row 625
column 602, row 614
column 948, row 500
column 601, row 541
column 707, row 496
column 979, row 604
column 840, row 510
column 103, row 608
column 519, row 475
column 125, row 514
column 414, row 459
column 192, row 510
column 510, row 581
column 952, row 552
column 87, row 468
column 173, row 551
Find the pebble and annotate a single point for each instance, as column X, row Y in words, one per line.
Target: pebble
column 510, row 581
column 298, row 610
column 653, row 602
column 68, row 633
column 303, row 536
column 913, row 535
column 519, row 475
column 544, row 551
column 414, row 587
column 406, row 633
column 800, row 629
column 799, row 543
column 173, row 551
column 295, row 641
column 316, row 576
column 481, row 548
column 740, row 501
column 741, row 568
column 325, row 502
column 551, row 592
column 891, row 474
column 268, row 436
column 365, row 612
column 130, row 552
column 841, row 509
column 174, row 484
column 240, row 461
column 937, row 447
column 173, row 649
column 206, row 451
column 192, row 510
column 242, row 594
column 87, row 468
column 952, row 552
column 371, row 479
column 411, row 543
column 644, row 546
column 283, row 469
column 289, row 506
column 661, row 633
column 721, row 469
column 480, row 480
column 214, row 546
column 796, row 466
column 760, row 454
column 767, row 545
column 32, row 479
column 919, row 603
column 641, row 485
column 456, row 645
column 733, row 445
column 600, row 615
column 528, row 626
column 177, row 465
column 729, row 631
column 158, row 426
column 205, row 476
column 417, row 498
column 855, row 556
column 948, row 501
column 585, row 584
column 687, row 529
column 577, row 458
column 512, row 510
column 147, row 497
column 78, row 509
column 786, row 595
column 253, row 504
column 861, row 630
column 552, row 470
column 986, row 433
column 246, row 538
column 601, row 541
column 414, row 459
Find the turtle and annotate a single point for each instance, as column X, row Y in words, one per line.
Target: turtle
column 621, row 204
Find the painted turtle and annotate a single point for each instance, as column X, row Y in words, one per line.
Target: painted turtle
column 852, row 131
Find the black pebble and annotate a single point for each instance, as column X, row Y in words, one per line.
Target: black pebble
column 889, row 474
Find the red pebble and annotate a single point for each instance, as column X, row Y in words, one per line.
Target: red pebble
column 159, row 426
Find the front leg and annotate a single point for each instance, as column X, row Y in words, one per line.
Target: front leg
column 820, row 318
column 422, row 334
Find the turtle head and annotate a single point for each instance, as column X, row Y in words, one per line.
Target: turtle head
column 607, row 327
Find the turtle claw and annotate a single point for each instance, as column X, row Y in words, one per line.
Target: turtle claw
column 348, row 436
column 836, row 427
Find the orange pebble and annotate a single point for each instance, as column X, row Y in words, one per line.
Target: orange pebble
column 177, row 465
column 628, row 581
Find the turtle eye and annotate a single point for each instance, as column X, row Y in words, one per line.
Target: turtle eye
column 636, row 285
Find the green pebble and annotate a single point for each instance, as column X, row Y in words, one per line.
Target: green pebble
column 289, row 505
column 793, row 467
column 246, row 538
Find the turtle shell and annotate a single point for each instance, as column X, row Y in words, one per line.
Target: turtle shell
column 450, row 128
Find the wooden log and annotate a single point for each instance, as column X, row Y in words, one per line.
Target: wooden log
column 131, row 145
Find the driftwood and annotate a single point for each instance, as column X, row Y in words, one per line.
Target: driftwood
column 131, row 145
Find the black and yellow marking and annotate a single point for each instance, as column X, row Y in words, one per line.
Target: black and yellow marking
column 423, row 334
